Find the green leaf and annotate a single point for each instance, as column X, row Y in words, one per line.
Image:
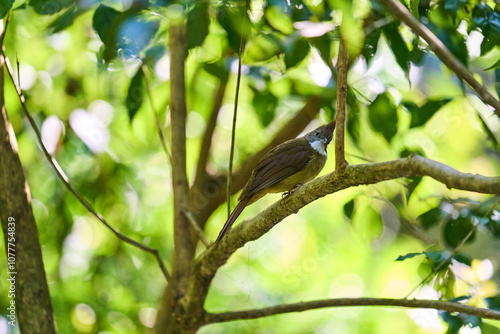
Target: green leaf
column 67, row 18
column 408, row 256
column 135, row 94
column 128, row 31
column 455, row 42
column 435, row 256
column 104, row 24
column 198, row 21
column 420, row 116
column 217, row 69
column 398, row 46
column 414, row 8
column 323, row 45
column 432, row 217
column 296, row 49
column 230, row 17
column 262, row 48
column 49, row 7
column 5, row 5
column 277, row 18
column 383, row 116
column 349, row 208
column 497, row 81
column 371, row 44
column 413, row 182
column 153, row 54
column 265, row 106
column 489, row 329
column 455, row 230
column 495, row 65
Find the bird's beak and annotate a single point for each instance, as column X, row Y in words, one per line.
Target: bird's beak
column 327, row 131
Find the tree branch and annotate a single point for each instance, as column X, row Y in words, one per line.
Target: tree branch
column 206, row 144
column 340, row 162
column 65, row 180
column 155, row 113
column 350, row 302
column 435, row 44
column 182, row 239
column 207, row 264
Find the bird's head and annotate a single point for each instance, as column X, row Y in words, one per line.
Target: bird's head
column 324, row 133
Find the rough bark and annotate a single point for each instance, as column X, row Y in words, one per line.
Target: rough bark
column 32, row 299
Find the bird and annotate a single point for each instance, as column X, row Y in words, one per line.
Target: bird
column 285, row 168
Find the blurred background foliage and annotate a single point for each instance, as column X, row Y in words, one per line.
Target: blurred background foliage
column 80, row 68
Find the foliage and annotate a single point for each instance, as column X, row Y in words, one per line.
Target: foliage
column 81, row 65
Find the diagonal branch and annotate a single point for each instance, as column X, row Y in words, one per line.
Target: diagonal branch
column 350, row 302
column 340, row 162
column 65, row 180
column 435, row 44
column 155, row 113
column 207, row 264
column 206, row 143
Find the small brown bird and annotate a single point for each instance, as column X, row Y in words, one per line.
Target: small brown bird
column 284, row 169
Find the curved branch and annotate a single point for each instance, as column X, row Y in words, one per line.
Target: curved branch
column 485, row 313
column 65, row 180
column 207, row 264
column 435, row 44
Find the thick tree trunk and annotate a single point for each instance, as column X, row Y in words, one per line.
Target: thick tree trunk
column 32, row 299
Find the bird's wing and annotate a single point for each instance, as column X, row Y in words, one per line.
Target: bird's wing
column 281, row 162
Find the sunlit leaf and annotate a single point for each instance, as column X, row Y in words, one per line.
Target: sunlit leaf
column 262, row 48
column 278, row 19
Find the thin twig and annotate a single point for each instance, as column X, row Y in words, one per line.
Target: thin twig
column 64, row 178
column 4, row 32
column 233, row 131
column 197, row 228
column 206, row 143
column 435, row 44
column 350, row 302
column 340, row 162
column 158, row 126
column 464, row 240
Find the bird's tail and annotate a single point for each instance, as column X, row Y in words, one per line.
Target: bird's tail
column 232, row 218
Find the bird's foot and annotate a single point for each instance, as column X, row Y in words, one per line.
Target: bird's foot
column 291, row 191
